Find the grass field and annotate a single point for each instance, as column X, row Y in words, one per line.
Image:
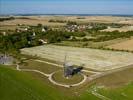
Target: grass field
column 124, row 93
column 46, row 68
column 15, row 85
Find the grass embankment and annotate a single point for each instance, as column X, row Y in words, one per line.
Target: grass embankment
column 117, row 79
column 122, row 93
column 15, row 85
column 59, row 77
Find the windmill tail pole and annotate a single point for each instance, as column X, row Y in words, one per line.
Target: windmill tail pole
column 65, row 59
column 64, row 64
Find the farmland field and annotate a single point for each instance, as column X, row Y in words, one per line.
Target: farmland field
column 91, row 58
column 122, row 29
column 34, row 20
column 125, row 45
column 30, row 21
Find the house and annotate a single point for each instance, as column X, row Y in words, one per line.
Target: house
column 5, row 59
column 34, row 34
column 43, row 41
column 20, row 29
column 43, row 30
column 4, row 33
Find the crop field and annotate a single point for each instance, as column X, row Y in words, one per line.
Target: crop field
column 98, row 19
column 100, row 60
column 91, row 44
column 44, row 20
column 12, row 24
column 8, row 27
column 125, row 45
column 122, row 29
column 30, row 21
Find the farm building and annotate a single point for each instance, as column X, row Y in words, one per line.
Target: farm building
column 6, row 60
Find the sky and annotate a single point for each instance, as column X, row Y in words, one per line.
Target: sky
column 66, row 7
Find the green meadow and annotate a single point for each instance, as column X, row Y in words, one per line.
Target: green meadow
column 16, row 85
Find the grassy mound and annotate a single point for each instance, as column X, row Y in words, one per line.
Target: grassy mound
column 59, row 77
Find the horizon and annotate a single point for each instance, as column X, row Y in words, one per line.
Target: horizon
column 122, row 15
column 60, row 7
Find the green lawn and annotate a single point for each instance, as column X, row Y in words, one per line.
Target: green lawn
column 122, row 93
column 44, row 67
column 16, row 85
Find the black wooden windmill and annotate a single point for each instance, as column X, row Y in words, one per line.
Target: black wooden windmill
column 68, row 68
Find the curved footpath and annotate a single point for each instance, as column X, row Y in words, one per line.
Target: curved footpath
column 51, row 79
column 90, row 78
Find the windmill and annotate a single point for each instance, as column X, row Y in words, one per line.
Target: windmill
column 68, row 68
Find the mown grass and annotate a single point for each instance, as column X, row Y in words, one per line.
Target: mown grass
column 59, row 77
column 117, row 79
column 121, row 93
column 44, row 67
column 16, row 85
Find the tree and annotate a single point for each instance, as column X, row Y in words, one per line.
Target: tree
column 39, row 25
